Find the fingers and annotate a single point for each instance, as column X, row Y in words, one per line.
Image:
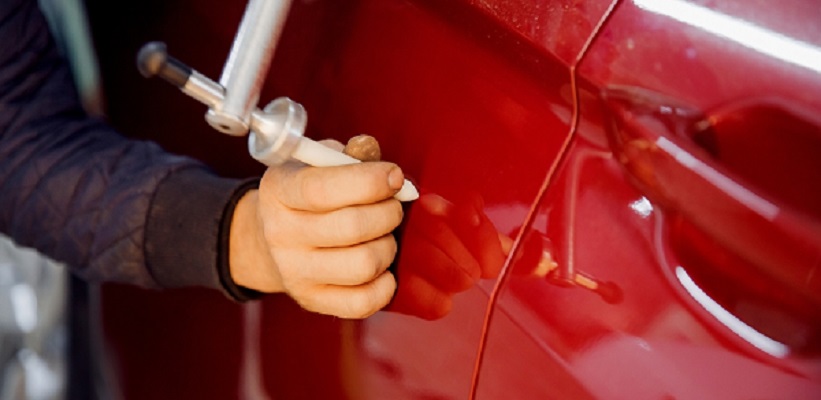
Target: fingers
column 328, row 231
column 341, row 266
column 437, row 266
column 315, row 189
column 482, row 239
column 454, row 245
column 477, row 233
column 353, row 302
column 343, row 227
column 417, row 296
column 348, row 282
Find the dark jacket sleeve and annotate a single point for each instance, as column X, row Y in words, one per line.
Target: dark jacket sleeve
column 111, row 208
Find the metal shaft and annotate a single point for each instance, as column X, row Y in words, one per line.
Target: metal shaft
column 275, row 132
column 247, row 66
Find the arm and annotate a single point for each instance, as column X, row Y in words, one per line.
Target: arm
column 115, row 209
column 79, row 192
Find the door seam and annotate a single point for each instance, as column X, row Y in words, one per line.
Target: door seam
column 528, row 222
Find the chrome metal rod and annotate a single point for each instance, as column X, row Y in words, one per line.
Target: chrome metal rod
column 247, row 66
column 276, row 132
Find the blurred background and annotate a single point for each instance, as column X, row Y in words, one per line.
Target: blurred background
column 37, row 320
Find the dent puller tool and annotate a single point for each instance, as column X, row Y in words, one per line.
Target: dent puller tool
column 275, row 133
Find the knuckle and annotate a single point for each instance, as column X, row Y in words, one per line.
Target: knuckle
column 376, row 179
column 352, row 224
column 371, row 259
column 396, row 211
column 393, row 246
column 368, row 263
column 368, row 301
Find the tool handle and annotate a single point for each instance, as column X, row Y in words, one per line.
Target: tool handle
column 153, row 60
column 276, row 130
column 318, row 155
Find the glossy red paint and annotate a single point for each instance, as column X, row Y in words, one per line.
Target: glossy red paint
column 699, row 178
column 668, row 280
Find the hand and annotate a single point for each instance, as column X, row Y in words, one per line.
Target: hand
column 321, row 235
column 453, row 244
column 448, row 246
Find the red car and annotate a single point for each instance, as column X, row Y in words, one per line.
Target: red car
column 641, row 181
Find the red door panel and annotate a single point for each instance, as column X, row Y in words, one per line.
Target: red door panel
column 474, row 111
column 684, row 222
column 560, row 27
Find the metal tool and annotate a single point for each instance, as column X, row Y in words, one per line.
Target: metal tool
column 247, row 66
column 275, row 133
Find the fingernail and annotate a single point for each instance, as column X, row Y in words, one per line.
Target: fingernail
column 396, row 179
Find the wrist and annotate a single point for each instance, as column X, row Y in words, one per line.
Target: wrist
column 249, row 257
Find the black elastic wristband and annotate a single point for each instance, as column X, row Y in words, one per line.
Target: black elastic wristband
column 238, row 293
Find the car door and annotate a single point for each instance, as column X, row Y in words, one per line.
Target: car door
column 682, row 229
column 473, row 99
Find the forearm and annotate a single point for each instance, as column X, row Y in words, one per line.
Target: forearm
column 111, row 208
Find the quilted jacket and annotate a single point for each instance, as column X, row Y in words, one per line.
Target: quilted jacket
column 109, row 207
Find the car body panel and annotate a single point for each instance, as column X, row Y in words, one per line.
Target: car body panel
column 600, row 273
column 466, row 118
column 710, row 244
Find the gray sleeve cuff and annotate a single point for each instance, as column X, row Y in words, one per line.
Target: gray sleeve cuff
column 186, row 237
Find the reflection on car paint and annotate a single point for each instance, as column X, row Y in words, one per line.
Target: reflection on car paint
column 492, row 79
column 747, row 332
column 747, row 34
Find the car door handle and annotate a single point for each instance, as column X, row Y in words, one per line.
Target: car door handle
column 674, row 154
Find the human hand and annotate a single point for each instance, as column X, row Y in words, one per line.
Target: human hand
column 449, row 245
column 453, row 245
column 320, row 235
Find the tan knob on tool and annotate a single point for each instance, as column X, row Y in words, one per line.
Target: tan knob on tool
column 363, row 148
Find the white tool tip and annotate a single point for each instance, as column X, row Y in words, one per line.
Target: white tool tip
column 407, row 193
